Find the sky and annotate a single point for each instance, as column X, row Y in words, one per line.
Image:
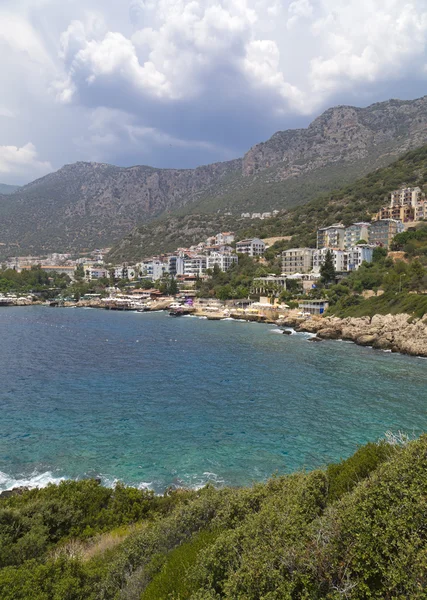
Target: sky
column 180, row 83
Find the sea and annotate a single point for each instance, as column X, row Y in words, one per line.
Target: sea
column 156, row 401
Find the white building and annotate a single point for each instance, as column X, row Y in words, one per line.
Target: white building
column 297, row 260
column 245, row 215
column 331, row 237
column 125, row 272
column 266, row 215
column 357, row 255
column 93, row 273
column 224, row 238
column 153, row 269
column 256, row 216
column 176, row 264
column 252, row 247
column 355, row 233
column 339, row 257
column 224, row 261
column 195, row 265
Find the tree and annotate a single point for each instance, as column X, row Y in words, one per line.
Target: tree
column 327, row 270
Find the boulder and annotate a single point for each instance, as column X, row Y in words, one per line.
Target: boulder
column 366, row 339
column 329, row 333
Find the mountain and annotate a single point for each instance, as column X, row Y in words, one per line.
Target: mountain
column 353, row 202
column 8, row 189
column 85, row 205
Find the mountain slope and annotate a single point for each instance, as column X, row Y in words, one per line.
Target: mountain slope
column 8, row 189
column 354, row 202
column 87, row 204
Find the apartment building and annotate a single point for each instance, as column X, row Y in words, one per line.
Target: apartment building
column 400, row 212
column 153, row 269
column 224, row 238
column 195, row 265
column 223, row 261
column 331, row 237
column 406, row 197
column 355, row 233
column 339, row 257
column 383, row 231
column 359, row 254
column 252, row 247
column 176, row 264
column 297, row 260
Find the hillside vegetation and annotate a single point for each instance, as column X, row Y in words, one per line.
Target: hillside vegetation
column 353, row 530
column 353, row 202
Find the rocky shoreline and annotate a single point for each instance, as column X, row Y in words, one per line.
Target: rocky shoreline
column 397, row 333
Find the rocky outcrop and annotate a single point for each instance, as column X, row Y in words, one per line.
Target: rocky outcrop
column 342, row 134
column 398, row 333
column 17, row 491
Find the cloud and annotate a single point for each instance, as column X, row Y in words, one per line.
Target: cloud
column 15, row 161
column 182, row 82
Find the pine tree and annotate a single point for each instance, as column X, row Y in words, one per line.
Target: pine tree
column 327, row 270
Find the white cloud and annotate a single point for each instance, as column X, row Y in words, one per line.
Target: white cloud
column 14, row 160
column 209, row 75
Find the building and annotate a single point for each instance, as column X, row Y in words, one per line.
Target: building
column 223, row 261
column 195, row 265
column 224, row 238
column 270, row 285
column 331, row 237
column 359, row 254
column 383, row 231
column 404, row 213
column 153, row 269
column 266, row 215
column 251, row 247
column 176, row 265
column 245, row 215
column 339, row 257
column 313, row 307
column 256, row 216
column 355, row 233
column 406, row 197
column 297, row 260
column 421, row 210
column 406, row 204
column 93, row 273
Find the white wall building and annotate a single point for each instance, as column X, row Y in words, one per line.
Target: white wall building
column 195, row 265
column 339, row 257
column 357, row 255
column 224, row 238
column 252, row 247
column 224, row 261
column 153, row 269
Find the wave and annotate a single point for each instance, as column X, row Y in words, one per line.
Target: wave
column 42, row 480
column 35, row 480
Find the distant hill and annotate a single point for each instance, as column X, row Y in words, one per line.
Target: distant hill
column 354, row 202
column 85, row 205
column 6, row 189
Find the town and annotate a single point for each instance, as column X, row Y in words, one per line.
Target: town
column 348, row 247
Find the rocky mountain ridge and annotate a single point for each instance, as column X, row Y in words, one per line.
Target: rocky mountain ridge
column 85, row 205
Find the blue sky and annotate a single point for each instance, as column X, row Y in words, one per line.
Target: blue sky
column 179, row 83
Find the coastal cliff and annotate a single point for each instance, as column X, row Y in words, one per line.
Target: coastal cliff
column 398, row 333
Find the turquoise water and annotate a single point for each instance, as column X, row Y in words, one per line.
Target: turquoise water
column 153, row 400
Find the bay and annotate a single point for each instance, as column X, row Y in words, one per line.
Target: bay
column 156, row 401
